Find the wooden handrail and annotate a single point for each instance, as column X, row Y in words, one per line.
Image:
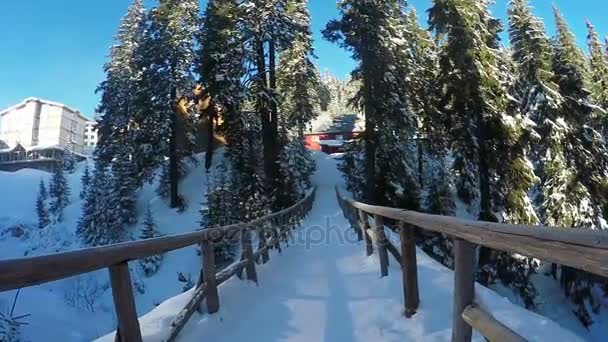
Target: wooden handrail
column 23, row 272
column 581, row 249
column 17, row 273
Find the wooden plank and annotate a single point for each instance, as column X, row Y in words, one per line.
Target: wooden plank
column 213, row 298
column 409, row 270
column 197, row 298
column 248, row 256
column 381, row 243
column 578, row 248
column 364, row 225
column 394, row 252
column 488, row 326
column 23, row 272
column 464, row 288
column 124, row 303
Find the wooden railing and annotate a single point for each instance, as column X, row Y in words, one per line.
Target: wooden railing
column 271, row 230
column 581, row 249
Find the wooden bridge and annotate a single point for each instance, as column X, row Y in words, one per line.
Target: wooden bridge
column 586, row 250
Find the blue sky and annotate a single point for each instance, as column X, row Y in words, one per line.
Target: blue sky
column 56, row 49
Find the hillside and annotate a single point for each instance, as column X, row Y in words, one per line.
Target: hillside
column 83, row 306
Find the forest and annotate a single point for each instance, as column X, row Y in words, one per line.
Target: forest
column 457, row 122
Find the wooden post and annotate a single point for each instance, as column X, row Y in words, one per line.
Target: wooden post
column 248, row 255
column 364, row 226
column 213, row 298
column 464, row 288
column 262, row 244
column 409, row 269
column 353, row 219
column 124, row 303
column 381, row 238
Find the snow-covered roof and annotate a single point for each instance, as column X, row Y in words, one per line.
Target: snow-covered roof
column 47, row 102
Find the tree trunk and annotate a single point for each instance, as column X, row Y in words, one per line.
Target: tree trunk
column 263, row 108
column 370, row 144
column 210, row 139
column 173, row 157
column 485, row 200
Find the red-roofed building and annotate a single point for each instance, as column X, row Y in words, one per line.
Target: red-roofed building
column 328, row 142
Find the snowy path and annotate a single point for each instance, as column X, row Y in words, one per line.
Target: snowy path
column 328, row 290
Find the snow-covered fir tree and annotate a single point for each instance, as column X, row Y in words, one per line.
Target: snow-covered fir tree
column 124, row 108
column 584, row 158
column 85, row 181
column 41, row 208
column 298, row 78
column 297, row 166
column 123, row 191
column 389, row 125
column 169, row 54
column 598, row 67
column 59, row 193
column 220, row 66
column 96, row 226
column 69, row 159
column 221, row 207
column 150, row 264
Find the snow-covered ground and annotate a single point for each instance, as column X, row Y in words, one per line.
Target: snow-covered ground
column 59, row 310
column 324, row 288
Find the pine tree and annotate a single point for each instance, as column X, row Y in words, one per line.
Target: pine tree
column 389, row 125
column 171, row 52
column 598, row 67
column 69, row 160
column 41, row 210
column 150, row 264
column 124, row 104
column 123, row 191
column 96, row 226
column 59, row 193
column 298, row 79
column 268, row 31
column 538, row 100
column 221, row 204
column 220, row 63
column 84, row 181
column 297, row 166
column 584, row 157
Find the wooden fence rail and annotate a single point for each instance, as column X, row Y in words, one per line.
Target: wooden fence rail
column 581, row 249
column 23, row 272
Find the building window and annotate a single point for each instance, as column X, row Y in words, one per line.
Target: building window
column 315, row 138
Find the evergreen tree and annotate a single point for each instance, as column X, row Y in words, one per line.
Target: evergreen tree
column 170, row 53
column 59, row 193
column 220, row 64
column 68, row 159
column 598, row 67
column 41, row 210
column 298, row 79
column 123, row 192
column 84, row 181
column 96, row 226
column 125, row 106
column 538, row 100
column 584, row 157
column 268, row 31
column 374, row 32
column 297, row 166
column 150, row 264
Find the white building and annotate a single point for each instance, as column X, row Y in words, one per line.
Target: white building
column 91, row 136
column 40, row 123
